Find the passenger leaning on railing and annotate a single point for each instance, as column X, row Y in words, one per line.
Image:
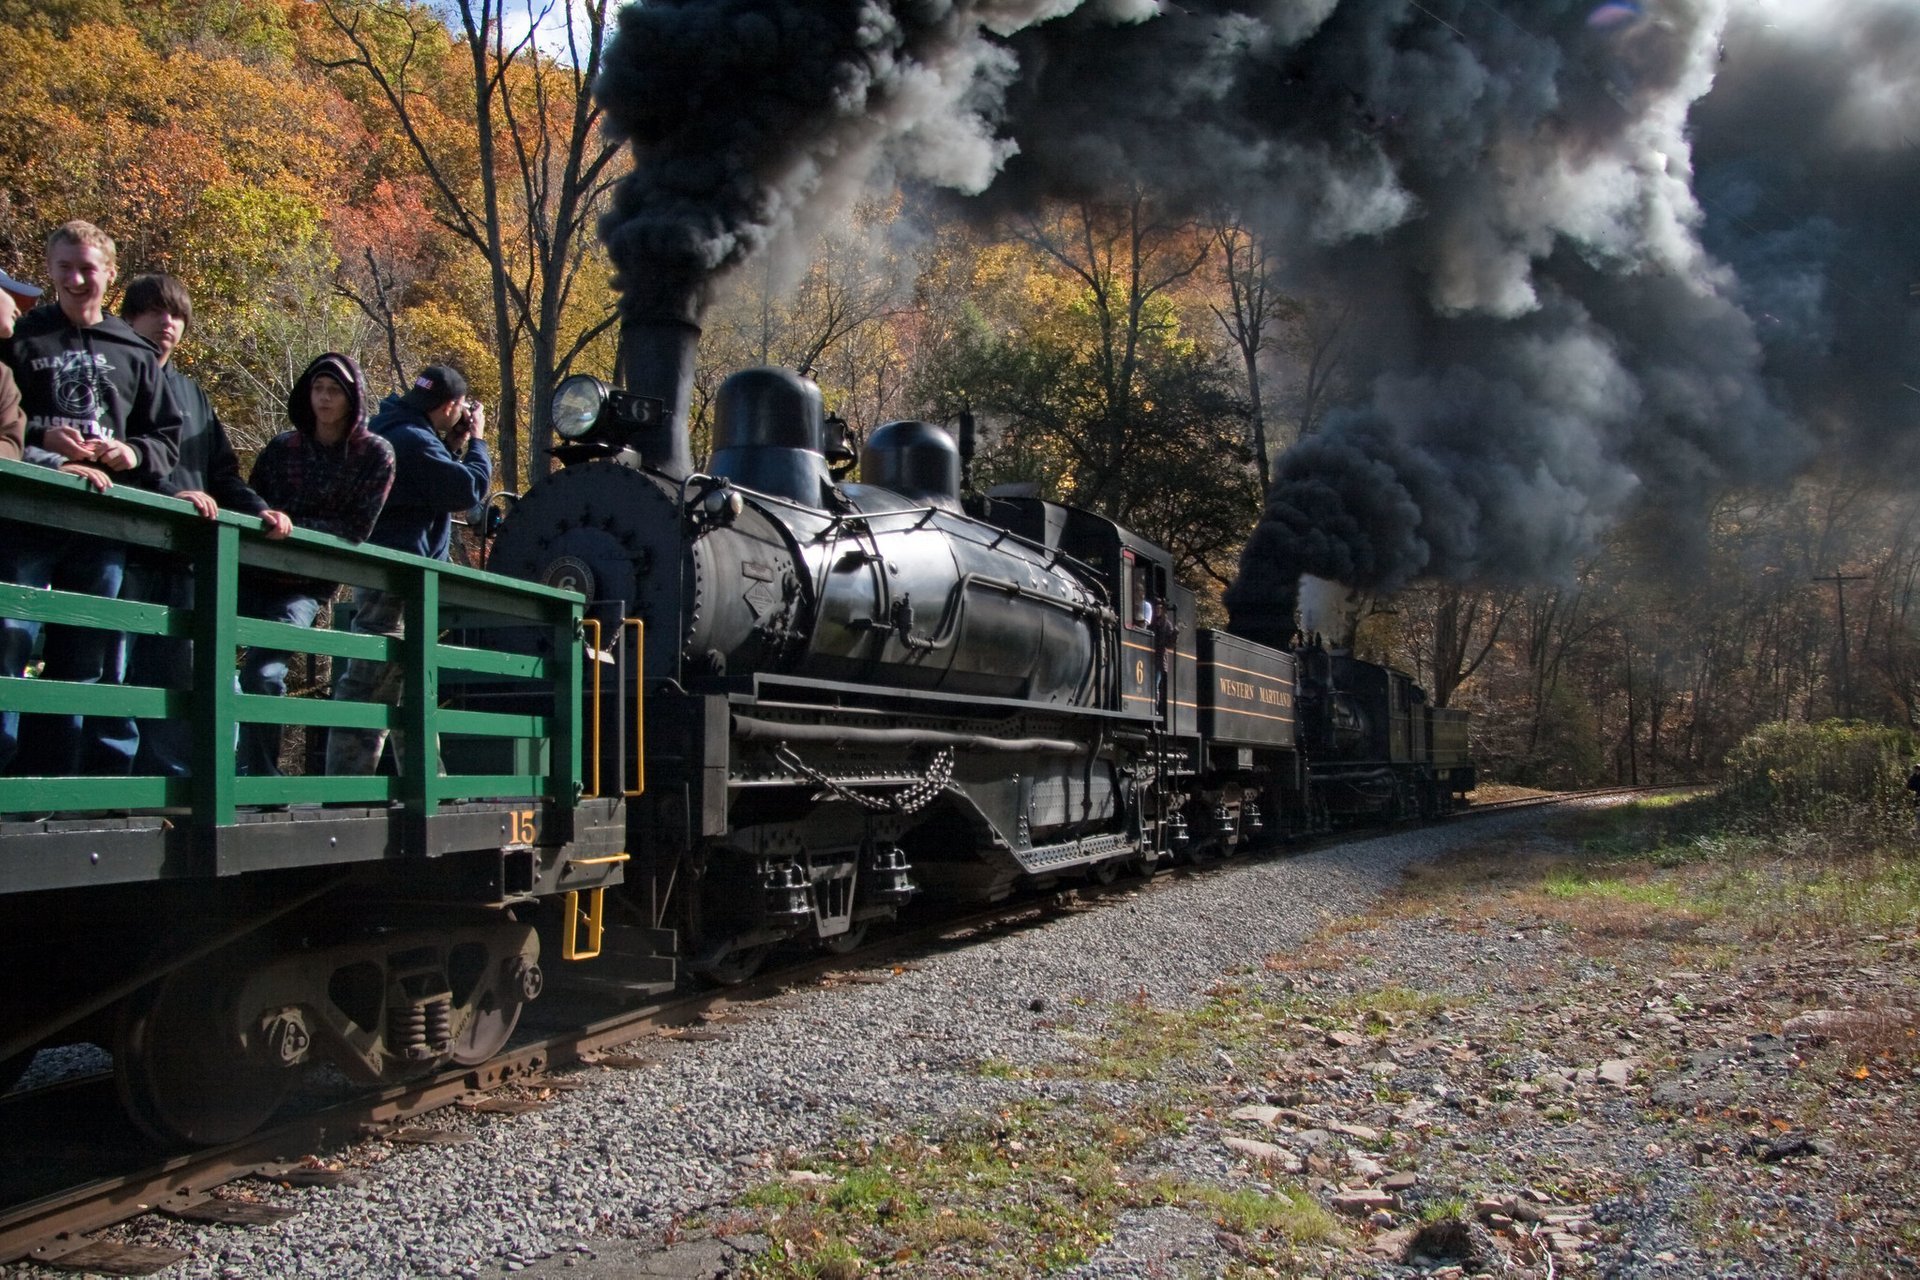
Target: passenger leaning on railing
column 441, row 466
column 207, row 475
column 94, row 395
column 17, row 296
column 13, row 421
column 331, row 475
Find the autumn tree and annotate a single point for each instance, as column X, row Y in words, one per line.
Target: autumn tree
column 202, row 157
column 385, row 245
column 1449, row 631
column 1074, row 346
column 1249, row 308
column 514, row 164
column 201, row 164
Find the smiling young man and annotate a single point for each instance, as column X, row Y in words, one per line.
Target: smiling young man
column 94, row 395
column 92, row 388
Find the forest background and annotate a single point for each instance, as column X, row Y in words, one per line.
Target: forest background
column 412, row 183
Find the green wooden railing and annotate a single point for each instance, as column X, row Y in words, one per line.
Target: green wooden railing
column 539, row 738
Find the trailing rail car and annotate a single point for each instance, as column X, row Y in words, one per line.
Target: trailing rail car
column 687, row 717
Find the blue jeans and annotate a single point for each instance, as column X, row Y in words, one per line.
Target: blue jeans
column 65, row 746
column 264, row 671
column 353, row 752
column 162, row 662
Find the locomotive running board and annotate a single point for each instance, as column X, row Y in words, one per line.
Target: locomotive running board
column 759, row 689
column 1048, row 857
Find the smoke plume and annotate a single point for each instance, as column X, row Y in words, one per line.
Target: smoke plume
column 1603, row 260
column 754, row 121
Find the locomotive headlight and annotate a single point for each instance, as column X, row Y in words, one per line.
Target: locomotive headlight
column 723, row 505
column 577, row 403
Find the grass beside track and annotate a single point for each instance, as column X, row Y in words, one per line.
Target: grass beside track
column 1649, row 895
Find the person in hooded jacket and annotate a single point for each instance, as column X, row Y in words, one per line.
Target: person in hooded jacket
column 95, row 397
column 441, row 466
column 329, row 474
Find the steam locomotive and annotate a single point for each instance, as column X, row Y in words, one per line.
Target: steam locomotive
column 857, row 692
column 809, row 701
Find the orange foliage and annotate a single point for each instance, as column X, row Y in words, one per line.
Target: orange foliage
column 179, row 154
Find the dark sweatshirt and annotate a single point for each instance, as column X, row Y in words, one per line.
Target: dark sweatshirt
column 105, row 381
column 207, row 460
column 429, row 483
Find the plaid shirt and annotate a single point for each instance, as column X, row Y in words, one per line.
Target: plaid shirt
column 338, row 490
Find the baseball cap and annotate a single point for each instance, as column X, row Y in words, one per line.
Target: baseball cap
column 18, row 288
column 433, row 386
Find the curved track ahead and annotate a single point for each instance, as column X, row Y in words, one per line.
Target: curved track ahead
column 48, row 1222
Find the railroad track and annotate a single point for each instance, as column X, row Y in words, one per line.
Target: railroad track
column 1561, row 797
column 54, row 1226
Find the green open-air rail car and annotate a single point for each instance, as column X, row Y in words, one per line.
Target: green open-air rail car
column 215, row 931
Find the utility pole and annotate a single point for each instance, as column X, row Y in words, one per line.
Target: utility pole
column 1842, row 696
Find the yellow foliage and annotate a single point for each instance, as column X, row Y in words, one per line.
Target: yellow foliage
column 194, row 162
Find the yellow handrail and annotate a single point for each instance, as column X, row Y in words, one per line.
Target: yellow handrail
column 594, row 652
column 600, row 862
column 639, row 704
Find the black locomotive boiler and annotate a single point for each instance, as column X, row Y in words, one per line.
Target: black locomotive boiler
column 853, row 692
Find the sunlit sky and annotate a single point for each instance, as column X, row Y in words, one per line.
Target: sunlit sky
column 551, row 15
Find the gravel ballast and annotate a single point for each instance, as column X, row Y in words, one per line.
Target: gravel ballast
column 599, row 1181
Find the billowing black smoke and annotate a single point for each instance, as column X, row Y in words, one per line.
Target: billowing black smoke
column 1602, row 258
column 1808, row 150
column 754, row 121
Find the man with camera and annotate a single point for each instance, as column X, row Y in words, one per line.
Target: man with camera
column 441, row 466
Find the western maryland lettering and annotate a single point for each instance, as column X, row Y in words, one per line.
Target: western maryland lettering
column 1263, row 695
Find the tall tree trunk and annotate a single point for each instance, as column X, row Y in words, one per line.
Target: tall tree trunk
column 556, row 196
column 506, row 333
column 1633, row 724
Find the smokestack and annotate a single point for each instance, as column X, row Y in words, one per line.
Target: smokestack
column 656, row 360
column 969, row 441
column 1330, row 610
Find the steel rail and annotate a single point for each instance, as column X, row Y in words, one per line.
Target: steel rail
column 53, row 1229
column 50, row 1228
